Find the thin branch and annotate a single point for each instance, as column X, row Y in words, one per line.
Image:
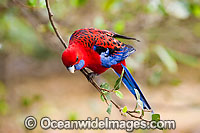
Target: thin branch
column 106, row 90
column 53, row 25
column 84, row 71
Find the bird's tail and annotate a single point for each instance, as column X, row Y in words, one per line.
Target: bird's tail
column 131, row 84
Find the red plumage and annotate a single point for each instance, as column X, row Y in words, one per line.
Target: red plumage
column 98, row 50
column 83, row 42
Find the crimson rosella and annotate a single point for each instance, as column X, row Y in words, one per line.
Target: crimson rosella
column 99, row 50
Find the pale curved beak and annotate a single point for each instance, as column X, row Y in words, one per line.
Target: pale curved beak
column 71, row 69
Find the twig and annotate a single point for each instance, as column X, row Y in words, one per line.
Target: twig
column 53, row 25
column 106, row 90
column 84, row 71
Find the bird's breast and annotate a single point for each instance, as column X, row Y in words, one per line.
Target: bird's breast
column 94, row 62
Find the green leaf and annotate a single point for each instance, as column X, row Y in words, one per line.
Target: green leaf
column 124, row 110
column 118, row 82
column 136, row 105
column 105, row 86
column 42, row 3
column 137, row 111
column 107, row 95
column 32, row 3
column 142, row 112
column 122, row 73
column 137, row 94
column 167, row 59
column 119, row 94
column 109, row 108
column 102, row 98
column 155, row 117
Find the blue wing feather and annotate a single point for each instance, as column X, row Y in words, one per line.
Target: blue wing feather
column 111, row 57
column 131, row 84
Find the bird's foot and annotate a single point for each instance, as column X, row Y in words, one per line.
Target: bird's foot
column 91, row 75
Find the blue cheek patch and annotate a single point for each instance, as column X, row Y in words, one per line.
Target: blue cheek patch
column 80, row 65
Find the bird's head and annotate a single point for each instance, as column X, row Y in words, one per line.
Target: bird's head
column 72, row 59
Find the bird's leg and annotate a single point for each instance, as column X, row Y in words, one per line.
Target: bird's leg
column 91, row 75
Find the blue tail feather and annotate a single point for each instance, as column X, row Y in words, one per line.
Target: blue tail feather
column 131, row 84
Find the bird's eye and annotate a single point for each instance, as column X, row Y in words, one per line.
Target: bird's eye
column 76, row 58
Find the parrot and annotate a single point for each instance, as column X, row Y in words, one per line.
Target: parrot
column 100, row 50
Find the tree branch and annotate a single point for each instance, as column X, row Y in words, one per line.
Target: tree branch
column 84, row 71
column 53, row 25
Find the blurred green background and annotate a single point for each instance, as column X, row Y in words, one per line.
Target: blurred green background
column 33, row 80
